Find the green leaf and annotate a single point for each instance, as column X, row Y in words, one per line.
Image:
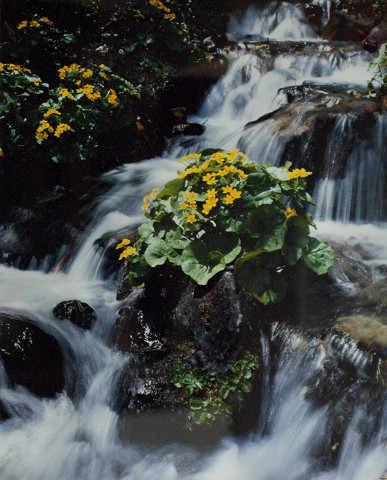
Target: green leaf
column 196, row 404
column 297, row 238
column 277, row 173
column 146, row 231
column 268, row 224
column 227, row 243
column 320, row 256
column 157, row 252
column 171, row 188
column 200, row 264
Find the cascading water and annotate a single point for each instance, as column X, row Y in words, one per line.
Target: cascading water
column 78, row 438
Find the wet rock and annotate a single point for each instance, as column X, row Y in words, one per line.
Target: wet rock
column 376, row 38
column 369, row 332
column 194, row 129
column 77, row 312
column 346, row 28
column 31, row 357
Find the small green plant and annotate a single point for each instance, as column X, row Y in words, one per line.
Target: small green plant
column 213, row 394
column 378, row 83
column 20, row 90
column 222, row 210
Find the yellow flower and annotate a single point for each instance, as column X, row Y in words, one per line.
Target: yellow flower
column 227, row 189
column 113, row 98
column 46, row 20
column 146, row 198
column 206, row 209
column 290, row 212
column 235, row 193
column 229, row 199
column 104, row 76
column 145, row 206
column 183, row 206
column 61, row 128
column 211, row 193
column 155, row 190
column 22, row 24
column 123, row 244
column 127, row 253
column 65, row 93
column 94, row 96
column 37, row 82
column 1, row 152
column 51, row 112
column 182, row 175
column 191, row 218
column 212, row 201
column 170, row 16
column 153, row 194
column 209, row 178
column 34, row 23
column 188, row 157
column 358, row 95
column 88, row 73
column 296, row 173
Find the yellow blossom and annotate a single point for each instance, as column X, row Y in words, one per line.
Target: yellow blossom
column 212, row 201
column 211, row 193
column 146, row 198
column 229, row 199
column 183, row 206
column 46, row 20
column 127, row 253
column 51, row 112
column 170, row 16
column 242, row 174
column 358, row 95
column 65, row 93
column 88, row 74
column 145, row 206
column 227, row 189
column 34, row 23
column 188, row 157
column 191, row 218
column 155, row 190
column 235, row 193
column 123, row 244
column 104, row 76
column 290, row 212
column 22, row 24
column 296, row 173
column 61, row 128
column 94, row 96
column 1, row 152
column 37, row 82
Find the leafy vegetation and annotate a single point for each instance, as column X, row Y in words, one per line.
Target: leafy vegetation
column 213, row 394
column 222, row 210
column 378, row 83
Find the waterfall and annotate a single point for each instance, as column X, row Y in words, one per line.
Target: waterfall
column 79, row 436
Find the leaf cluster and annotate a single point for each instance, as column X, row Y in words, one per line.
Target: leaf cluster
column 214, row 394
column 222, row 211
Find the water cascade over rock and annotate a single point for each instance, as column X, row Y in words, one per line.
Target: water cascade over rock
column 97, row 403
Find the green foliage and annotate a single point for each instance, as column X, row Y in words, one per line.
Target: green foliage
column 213, row 394
column 222, row 210
column 378, row 83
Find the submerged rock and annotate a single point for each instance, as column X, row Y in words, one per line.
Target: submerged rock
column 77, row 312
column 31, row 357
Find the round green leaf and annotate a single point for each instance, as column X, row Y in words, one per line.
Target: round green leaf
column 227, row 243
column 268, row 224
column 320, row 256
column 200, row 264
column 157, row 252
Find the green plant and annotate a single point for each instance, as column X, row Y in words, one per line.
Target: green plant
column 86, row 106
column 215, row 394
column 222, row 210
column 378, row 83
column 20, row 91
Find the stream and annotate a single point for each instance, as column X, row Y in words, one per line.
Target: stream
column 78, row 436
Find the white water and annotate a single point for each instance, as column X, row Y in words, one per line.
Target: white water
column 63, row 439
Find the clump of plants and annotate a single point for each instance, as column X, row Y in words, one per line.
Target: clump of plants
column 211, row 394
column 223, row 210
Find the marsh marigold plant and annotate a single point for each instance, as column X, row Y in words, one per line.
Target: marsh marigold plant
column 224, row 210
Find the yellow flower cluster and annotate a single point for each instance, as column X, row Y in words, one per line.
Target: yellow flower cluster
column 88, row 73
column 149, row 198
column 189, row 157
column 12, row 67
column 41, row 132
column 88, row 90
column 128, row 251
column 113, row 98
column 297, row 173
column 51, row 112
column 232, row 194
column 158, row 4
column 65, row 93
column 290, row 212
column 61, row 128
column 1, row 152
column 74, row 67
column 34, row 23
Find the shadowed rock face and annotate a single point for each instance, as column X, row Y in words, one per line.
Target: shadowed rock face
column 78, row 313
column 31, row 357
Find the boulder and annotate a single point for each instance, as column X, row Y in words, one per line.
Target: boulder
column 77, row 312
column 31, row 357
column 188, row 129
column 376, row 38
column 369, row 332
column 346, row 28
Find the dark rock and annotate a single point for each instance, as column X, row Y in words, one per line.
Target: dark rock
column 376, row 38
column 31, row 357
column 194, row 129
column 314, row 14
column 346, row 28
column 78, row 313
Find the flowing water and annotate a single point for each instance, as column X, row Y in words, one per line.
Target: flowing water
column 79, row 438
